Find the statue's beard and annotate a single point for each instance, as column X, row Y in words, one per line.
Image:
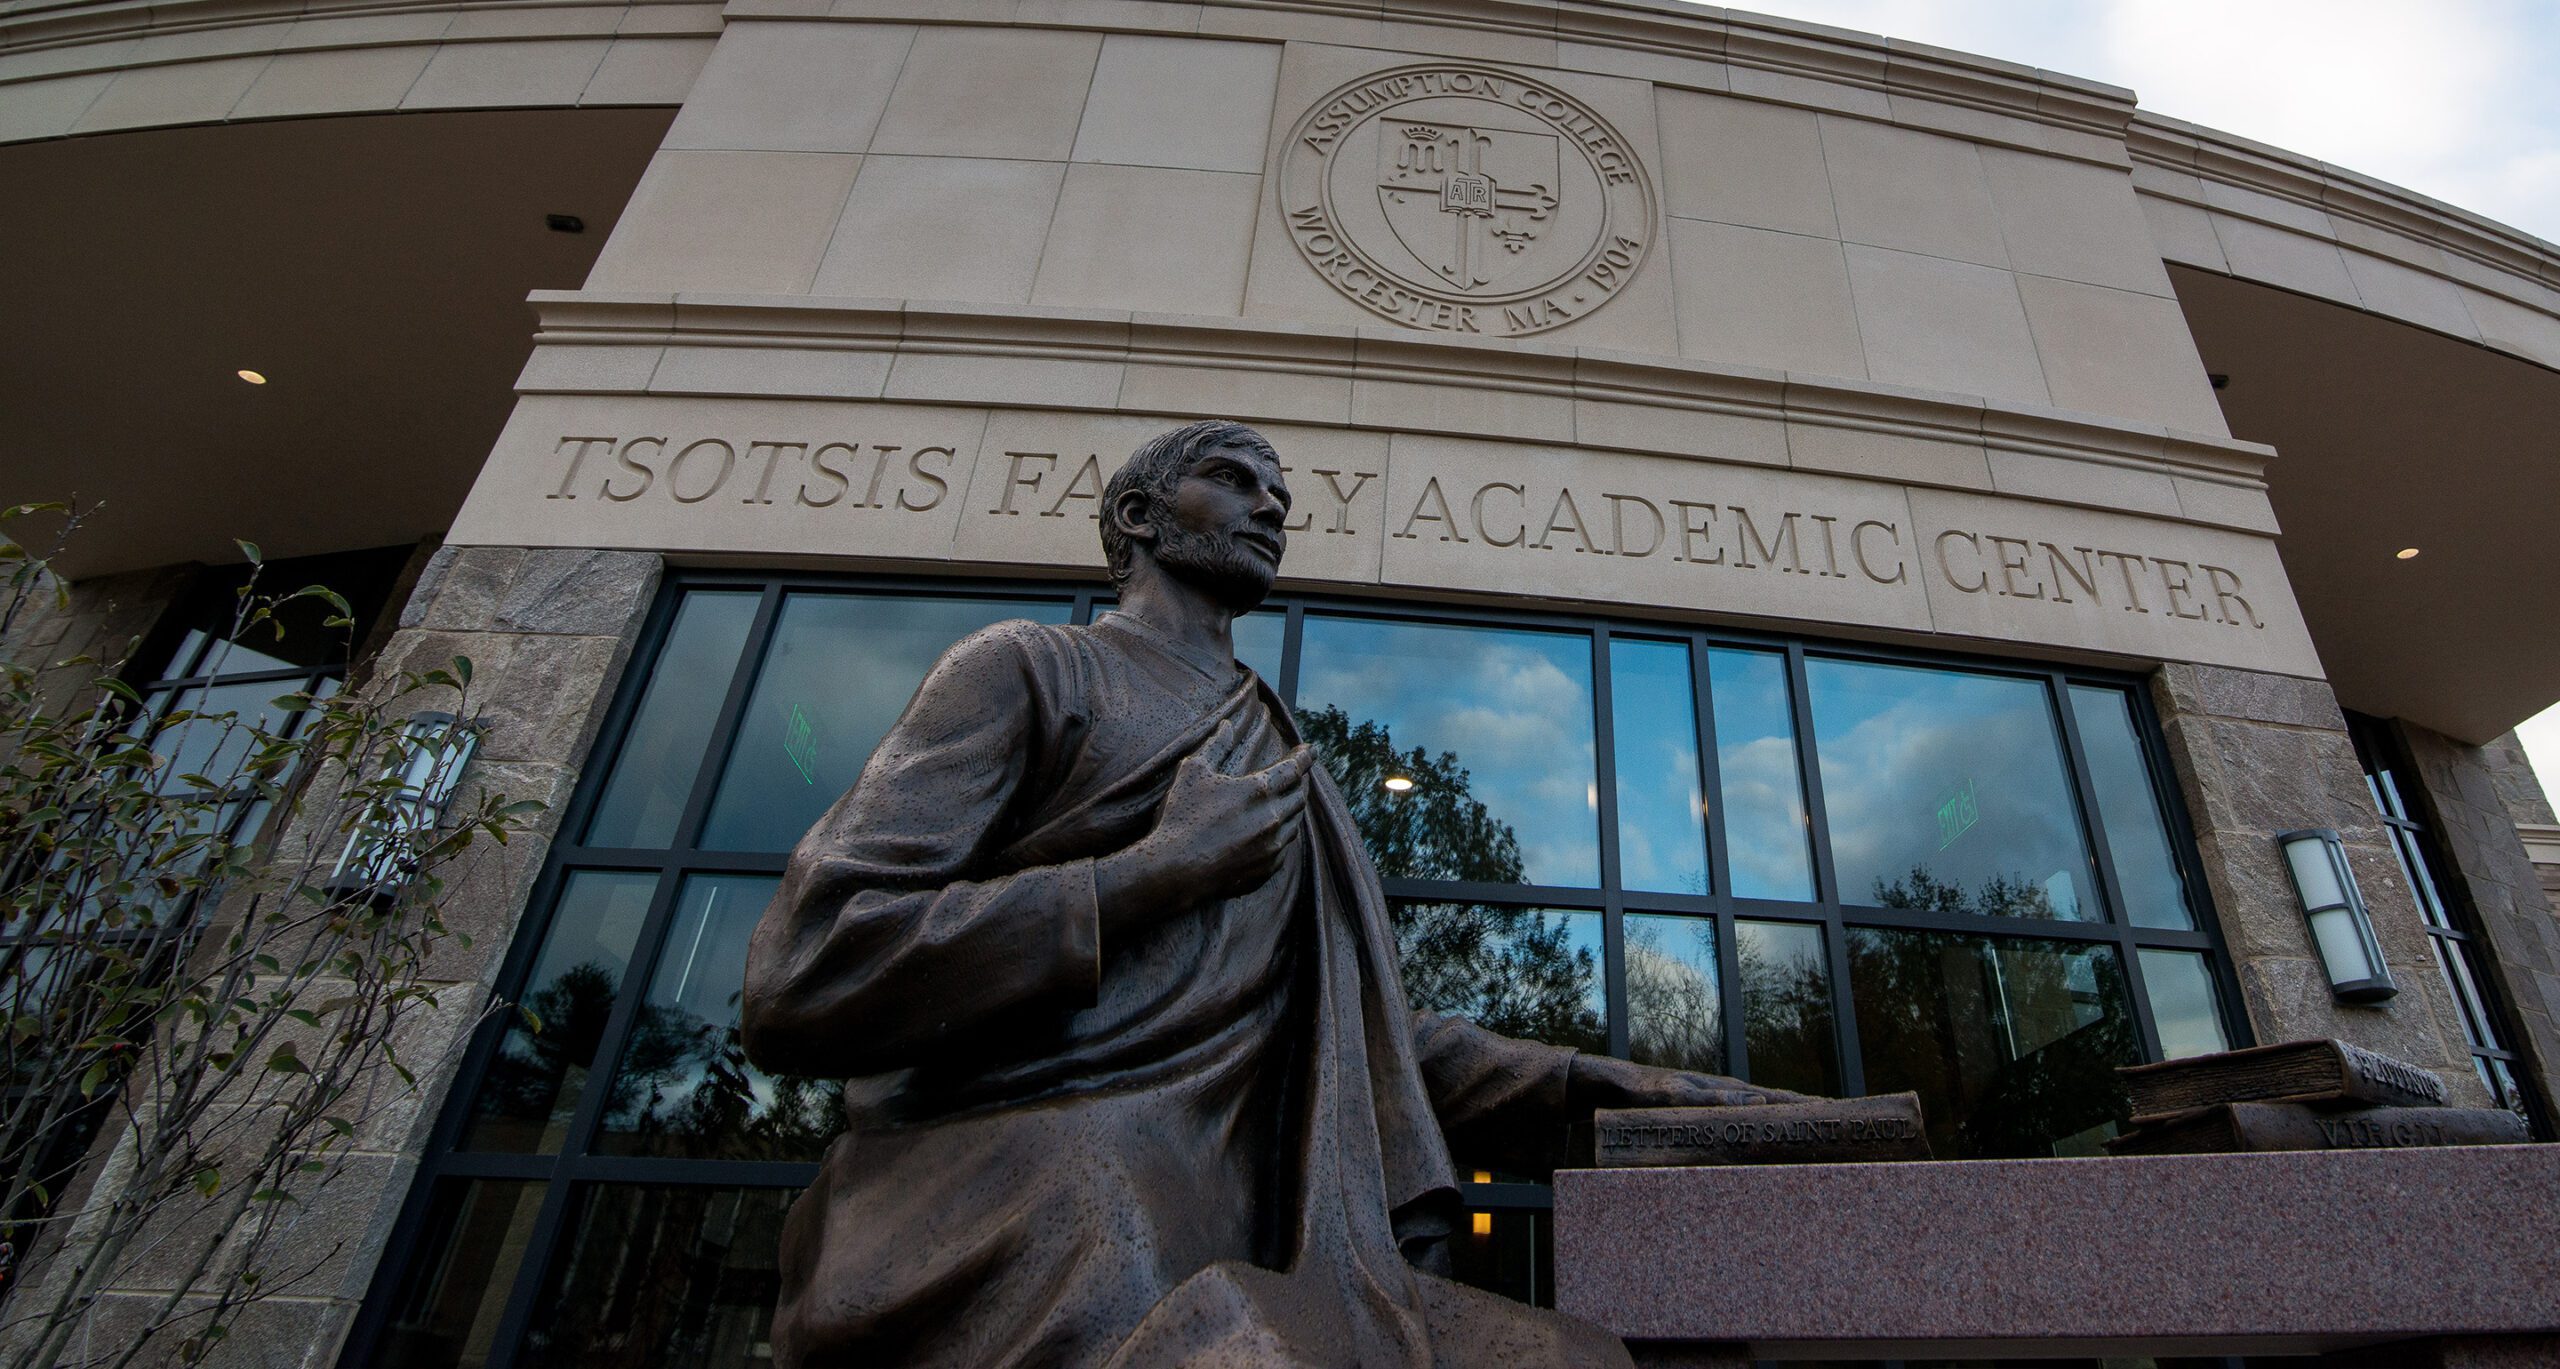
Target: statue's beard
column 1218, row 566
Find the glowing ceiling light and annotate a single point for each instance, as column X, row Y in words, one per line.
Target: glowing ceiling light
column 2407, row 552
column 253, row 377
column 1396, row 784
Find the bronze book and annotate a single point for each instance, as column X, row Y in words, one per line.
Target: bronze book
column 1829, row 1131
column 2315, row 1072
column 2228, row 1127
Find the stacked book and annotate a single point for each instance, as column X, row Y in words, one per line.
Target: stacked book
column 2299, row 1095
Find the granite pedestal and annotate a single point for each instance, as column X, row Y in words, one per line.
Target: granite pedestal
column 2296, row 1253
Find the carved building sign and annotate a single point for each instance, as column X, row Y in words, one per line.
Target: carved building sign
column 1465, row 199
column 924, row 483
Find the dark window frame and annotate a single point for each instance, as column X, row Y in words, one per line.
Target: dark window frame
column 576, row 1164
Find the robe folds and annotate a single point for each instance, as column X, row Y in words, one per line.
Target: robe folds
column 1217, row 1143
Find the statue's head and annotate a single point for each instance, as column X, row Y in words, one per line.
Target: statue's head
column 1204, row 504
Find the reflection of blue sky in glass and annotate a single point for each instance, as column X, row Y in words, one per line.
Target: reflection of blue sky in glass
column 1258, row 641
column 1514, row 706
column 1662, row 830
column 848, row 664
column 1765, row 834
column 2137, row 839
column 1956, row 775
column 2183, row 1004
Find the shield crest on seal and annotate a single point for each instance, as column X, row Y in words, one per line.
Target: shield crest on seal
column 1470, row 203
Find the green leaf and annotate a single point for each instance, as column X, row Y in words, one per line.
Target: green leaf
column 284, row 1061
column 250, row 550
column 208, row 1181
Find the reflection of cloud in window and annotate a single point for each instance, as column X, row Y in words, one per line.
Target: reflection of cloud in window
column 1515, row 707
column 1764, row 832
column 1912, row 739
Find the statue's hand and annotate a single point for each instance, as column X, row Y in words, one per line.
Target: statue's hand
column 1607, row 1082
column 1216, row 836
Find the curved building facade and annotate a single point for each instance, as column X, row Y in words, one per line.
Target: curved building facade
column 1866, row 546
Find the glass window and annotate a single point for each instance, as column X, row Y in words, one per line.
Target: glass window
column 1662, row 825
column 2011, row 1042
column 531, row 1089
column 1494, row 717
column 1787, row 1030
column 672, row 1277
column 683, row 1086
column 662, row 748
column 2155, row 893
column 839, row 670
column 1261, row 638
column 1766, row 833
column 1527, row 972
column 1945, row 792
column 1508, row 1251
column 446, row 1314
column 1466, row 752
column 1675, row 1013
column 2184, row 1006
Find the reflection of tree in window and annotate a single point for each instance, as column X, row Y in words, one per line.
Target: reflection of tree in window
column 2012, row 1045
column 1675, row 1016
column 2000, row 896
column 1512, row 970
column 685, row 1088
column 1786, row 1007
column 524, row 1083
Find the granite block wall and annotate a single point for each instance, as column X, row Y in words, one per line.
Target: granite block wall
column 548, row 633
column 2258, row 754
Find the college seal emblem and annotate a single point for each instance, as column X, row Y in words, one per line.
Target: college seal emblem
column 1464, row 199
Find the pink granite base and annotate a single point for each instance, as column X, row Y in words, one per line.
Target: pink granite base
column 2168, row 1254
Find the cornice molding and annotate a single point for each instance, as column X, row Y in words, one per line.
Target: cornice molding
column 37, row 25
column 2313, row 184
column 1377, row 355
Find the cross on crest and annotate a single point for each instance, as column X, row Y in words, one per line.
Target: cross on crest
column 1462, row 200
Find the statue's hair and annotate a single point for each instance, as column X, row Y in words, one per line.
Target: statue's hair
column 1155, row 468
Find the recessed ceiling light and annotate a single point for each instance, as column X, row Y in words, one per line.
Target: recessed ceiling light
column 253, row 377
column 2406, row 553
column 1396, row 784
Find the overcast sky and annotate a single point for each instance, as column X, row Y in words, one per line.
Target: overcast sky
column 2456, row 99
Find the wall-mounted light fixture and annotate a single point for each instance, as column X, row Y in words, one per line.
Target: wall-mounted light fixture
column 2335, row 908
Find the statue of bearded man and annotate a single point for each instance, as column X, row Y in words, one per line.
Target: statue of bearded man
column 1131, row 1077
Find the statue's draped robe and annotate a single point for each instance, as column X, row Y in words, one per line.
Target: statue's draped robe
column 1213, row 1143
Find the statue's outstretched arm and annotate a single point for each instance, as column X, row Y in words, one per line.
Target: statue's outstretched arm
column 875, row 953
column 1506, row 1103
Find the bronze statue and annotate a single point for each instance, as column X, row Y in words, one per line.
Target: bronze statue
column 1132, row 1078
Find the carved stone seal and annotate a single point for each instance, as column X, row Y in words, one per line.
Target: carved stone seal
column 1466, row 199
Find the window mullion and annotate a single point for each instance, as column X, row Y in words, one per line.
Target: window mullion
column 1613, row 920
column 1826, row 880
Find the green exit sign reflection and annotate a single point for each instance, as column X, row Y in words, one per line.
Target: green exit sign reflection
column 1957, row 813
column 800, row 743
